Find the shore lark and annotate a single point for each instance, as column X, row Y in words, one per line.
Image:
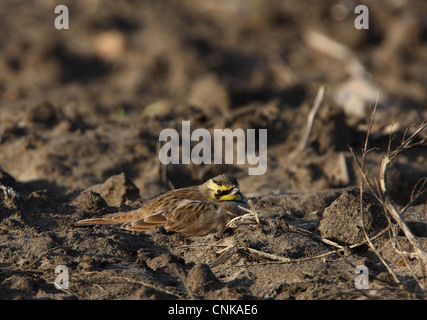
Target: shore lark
column 192, row 211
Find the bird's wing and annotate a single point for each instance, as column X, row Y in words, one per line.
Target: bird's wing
column 155, row 212
column 185, row 213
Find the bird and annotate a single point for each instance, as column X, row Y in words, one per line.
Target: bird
column 193, row 211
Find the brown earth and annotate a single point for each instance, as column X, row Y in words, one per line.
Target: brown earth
column 80, row 115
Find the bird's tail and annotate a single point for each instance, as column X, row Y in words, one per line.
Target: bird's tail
column 117, row 218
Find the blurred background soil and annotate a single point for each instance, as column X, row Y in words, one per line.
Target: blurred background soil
column 81, row 111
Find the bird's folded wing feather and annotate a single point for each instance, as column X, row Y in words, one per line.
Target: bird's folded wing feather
column 187, row 213
column 181, row 217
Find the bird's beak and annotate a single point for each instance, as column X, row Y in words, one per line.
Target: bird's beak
column 235, row 190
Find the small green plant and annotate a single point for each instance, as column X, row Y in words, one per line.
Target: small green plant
column 122, row 113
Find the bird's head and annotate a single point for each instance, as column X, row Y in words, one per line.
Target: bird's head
column 223, row 188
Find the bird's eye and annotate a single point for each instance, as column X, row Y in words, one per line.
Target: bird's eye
column 218, row 191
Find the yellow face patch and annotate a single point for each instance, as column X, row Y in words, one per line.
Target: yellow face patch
column 231, row 197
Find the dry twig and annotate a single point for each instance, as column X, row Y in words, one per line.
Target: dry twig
column 383, row 195
column 320, row 96
column 406, row 144
column 364, row 153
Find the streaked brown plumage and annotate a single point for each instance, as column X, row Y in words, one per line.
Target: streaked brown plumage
column 193, row 211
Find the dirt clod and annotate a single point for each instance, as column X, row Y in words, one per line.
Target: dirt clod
column 342, row 220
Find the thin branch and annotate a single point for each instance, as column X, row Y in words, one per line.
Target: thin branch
column 404, row 255
column 407, row 144
column 227, row 254
column 184, row 282
column 365, row 177
column 362, row 213
column 320, row 97
column 341, row 250
column 368, row 133
column 250, row 218
column 421, row 189
column 415, row 196
column 396, row 214
column 368, row 239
